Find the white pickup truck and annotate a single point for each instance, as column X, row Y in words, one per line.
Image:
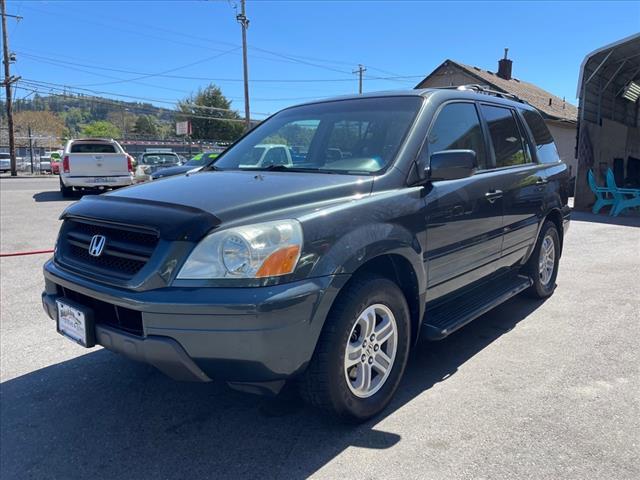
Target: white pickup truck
column 94, row 164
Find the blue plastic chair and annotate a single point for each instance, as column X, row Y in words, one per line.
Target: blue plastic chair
column 624, row 197
column 603, row 195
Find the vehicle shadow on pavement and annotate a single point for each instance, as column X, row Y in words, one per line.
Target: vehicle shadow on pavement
column 103, row 416
column 50, row 196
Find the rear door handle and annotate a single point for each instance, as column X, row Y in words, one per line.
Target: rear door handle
column 542, row 181
column 493, row 195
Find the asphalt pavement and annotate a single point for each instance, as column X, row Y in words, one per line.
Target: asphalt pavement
column 530, row 390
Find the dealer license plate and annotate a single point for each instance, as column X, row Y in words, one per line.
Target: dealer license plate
column 74, row 324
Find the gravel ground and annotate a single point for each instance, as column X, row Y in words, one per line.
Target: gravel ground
column 530, row 390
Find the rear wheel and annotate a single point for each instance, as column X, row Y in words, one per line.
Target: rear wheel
column 65, row 191
column 362, row 351
column 542, row 267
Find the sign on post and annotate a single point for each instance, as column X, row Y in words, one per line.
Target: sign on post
column 183, row 128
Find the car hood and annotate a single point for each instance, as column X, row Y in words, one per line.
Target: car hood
column 170, row 171
column 230, row 195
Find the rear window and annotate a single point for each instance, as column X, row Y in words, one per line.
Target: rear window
column 159, row 159
column 545, row 148
column 93, row 148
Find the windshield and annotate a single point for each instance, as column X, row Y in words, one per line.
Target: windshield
column 159, row 159
column 201, row 159
column 350, row 136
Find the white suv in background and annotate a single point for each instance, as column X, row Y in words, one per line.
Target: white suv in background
column 94, row 164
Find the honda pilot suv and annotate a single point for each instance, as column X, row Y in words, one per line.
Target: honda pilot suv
column 400, row 216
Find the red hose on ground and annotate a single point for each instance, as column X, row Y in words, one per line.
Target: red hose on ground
column 19, row 254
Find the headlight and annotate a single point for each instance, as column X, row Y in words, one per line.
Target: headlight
column 254, row 251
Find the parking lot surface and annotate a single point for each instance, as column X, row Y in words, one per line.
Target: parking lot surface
column 530, row 390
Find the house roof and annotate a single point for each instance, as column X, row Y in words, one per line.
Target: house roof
column 553, row 107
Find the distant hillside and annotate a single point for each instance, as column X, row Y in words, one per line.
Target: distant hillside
column 96, row 108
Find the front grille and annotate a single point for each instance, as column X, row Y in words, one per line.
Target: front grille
column 104, row 313
column 125, row 252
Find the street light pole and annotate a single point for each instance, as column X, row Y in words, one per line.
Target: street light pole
column 244, row 22
column 8, row 80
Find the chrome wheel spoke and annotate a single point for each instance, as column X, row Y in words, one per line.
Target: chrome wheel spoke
column 354, row 355
column 363, row 377
column 384, row 331
column 381, row 362
column 368, row 321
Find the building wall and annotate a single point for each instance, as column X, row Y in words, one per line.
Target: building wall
column 565, row 137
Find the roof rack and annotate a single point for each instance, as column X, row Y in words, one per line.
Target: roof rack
column 486, row 90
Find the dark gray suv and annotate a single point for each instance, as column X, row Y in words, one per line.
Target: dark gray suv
column 388, row 218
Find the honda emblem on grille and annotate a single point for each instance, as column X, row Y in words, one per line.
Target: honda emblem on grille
column 96, row 246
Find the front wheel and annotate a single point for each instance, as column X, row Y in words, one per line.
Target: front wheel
column 543, row 264
column 362, row 351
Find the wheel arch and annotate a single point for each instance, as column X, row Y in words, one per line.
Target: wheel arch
column 403, row 273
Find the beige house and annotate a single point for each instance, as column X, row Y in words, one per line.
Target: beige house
column 560, row 116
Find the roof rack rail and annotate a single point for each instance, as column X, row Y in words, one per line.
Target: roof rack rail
column 486, row 90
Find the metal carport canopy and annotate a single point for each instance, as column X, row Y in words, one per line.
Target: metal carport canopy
column 604, row 73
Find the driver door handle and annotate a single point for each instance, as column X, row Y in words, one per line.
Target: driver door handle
column 493, row 195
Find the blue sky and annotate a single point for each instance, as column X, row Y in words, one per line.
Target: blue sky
column 116, row 46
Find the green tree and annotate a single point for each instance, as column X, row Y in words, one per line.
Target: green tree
column 223, row 124
column 147, row 125
column 101, row 129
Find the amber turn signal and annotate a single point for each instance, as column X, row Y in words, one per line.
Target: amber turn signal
column 280, row 262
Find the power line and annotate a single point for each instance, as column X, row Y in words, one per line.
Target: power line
column 288, row 58
column 63, row 64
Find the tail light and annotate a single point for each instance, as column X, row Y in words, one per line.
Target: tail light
column 130, row 163
column 65, row 164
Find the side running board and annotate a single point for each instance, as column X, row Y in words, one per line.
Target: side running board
column 448, row 316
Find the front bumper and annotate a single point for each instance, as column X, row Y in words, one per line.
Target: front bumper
column 245, row 335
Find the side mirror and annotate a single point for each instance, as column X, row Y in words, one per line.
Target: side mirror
column 451, row 165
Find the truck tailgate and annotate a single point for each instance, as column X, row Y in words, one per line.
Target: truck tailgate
column 98, row 164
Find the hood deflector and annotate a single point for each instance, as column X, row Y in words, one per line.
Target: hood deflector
column 171, row 221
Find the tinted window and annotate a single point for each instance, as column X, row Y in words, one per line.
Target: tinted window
column 348, row 136
column 458, row 128
column 505, row 136
column 545, row 148
column 159, row 159
column 93, row 148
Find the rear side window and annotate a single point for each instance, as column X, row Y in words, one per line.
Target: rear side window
column 508, row 144
column 545, row 147
column 457, row 127
column 93, row 148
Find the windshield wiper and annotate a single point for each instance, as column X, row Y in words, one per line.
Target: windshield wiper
column 284, row 168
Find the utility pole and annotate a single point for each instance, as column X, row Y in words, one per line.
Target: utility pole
column 31, row 149
column 360, row 71
column 8, row 80
column 244, row 22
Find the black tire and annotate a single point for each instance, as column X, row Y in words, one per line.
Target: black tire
column 324, row 384
column 540, row 289
column 66, row 192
